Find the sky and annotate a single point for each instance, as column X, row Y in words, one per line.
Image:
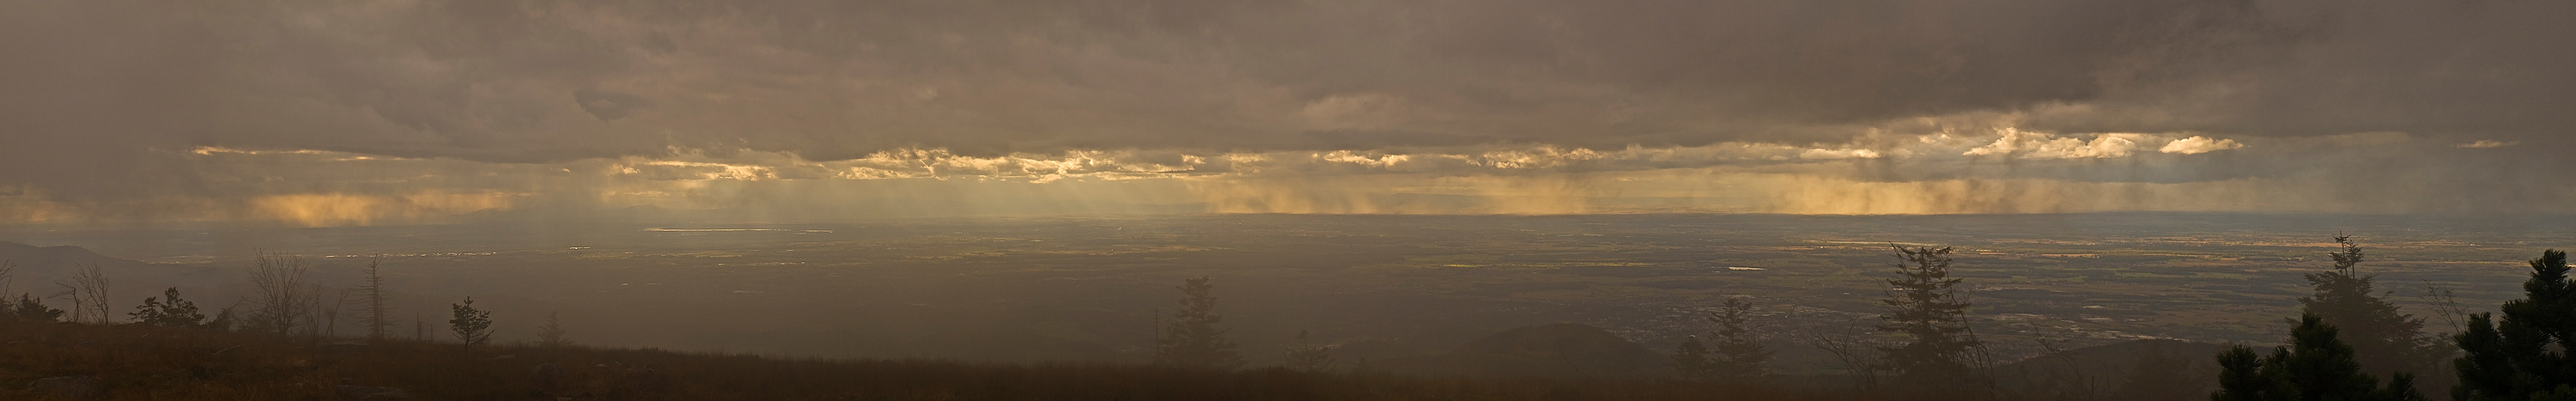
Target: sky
column 360, row 112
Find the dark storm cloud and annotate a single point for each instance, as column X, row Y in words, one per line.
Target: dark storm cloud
column 97, row 96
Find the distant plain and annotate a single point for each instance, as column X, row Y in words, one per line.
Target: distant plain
column 1383, row 286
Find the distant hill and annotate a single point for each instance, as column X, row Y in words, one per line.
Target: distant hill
column 41, row 259
column 38, row 267
column 1567, row 350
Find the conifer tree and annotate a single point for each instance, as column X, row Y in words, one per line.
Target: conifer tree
column 1737, row 354
column 2521, row 355
column 2384, row 339
column 1192, row 339
column 1740, row 356
column 1936, row 357
column 223, row 321
column 174, row 313
column 2315, row 366
column 551, row 334
column 2241, row 377
column 29, row 309
column 472, row 326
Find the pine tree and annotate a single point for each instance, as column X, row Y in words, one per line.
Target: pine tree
column 2384, row 339
column 2521, row 354
column 2242, row 377
column 1740, row 356
column 223, row 321
column 1934, row 321
column 174, row 313
column 551, row 334
column 28, row 309
column 1192, row 339
column 2316, row 366
column 472, row 326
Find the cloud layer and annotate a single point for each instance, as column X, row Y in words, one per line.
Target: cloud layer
column 231, row 110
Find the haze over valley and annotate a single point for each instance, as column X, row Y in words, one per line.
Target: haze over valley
column 1383, row 287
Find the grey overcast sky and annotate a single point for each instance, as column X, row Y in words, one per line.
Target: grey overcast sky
column 388, row 111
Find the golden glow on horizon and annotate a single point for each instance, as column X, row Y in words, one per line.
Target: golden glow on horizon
column 1731, row 177
column 332, row 209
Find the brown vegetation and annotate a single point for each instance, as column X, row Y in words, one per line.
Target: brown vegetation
column 153, row 363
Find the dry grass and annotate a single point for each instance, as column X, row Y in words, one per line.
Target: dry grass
column 145, row 363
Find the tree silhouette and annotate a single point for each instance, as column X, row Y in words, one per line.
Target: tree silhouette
column 29, row 309
column 1193, row 339
column 1740, row 354
column 2316, row 366
column 371, row 296
column 472, row 326
column 1734, row 354
column 88, row 292
column 2522, row 354
column 551, row 334
column 1307, row 356
column 1929, row 314
column 2383, row 339
column 174, row 313
column 281, row 301
column 325, row 322
column 1692, row 361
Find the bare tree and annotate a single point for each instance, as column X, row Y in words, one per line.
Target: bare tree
column 2446, row 306
column 371, row 298
column 1853, row 352
column 72, row 293
column 8, row 276
column 88, row 292
column 283, row 300
column 327, row 323
column 89, row 276
column 2061, row 374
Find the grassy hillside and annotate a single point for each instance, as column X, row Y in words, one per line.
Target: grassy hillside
column 147, row 363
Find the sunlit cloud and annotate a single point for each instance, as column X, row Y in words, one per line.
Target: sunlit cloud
column 1832, row 154
column 2016, row 143
column 2199, row 144
column 2486, row 144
